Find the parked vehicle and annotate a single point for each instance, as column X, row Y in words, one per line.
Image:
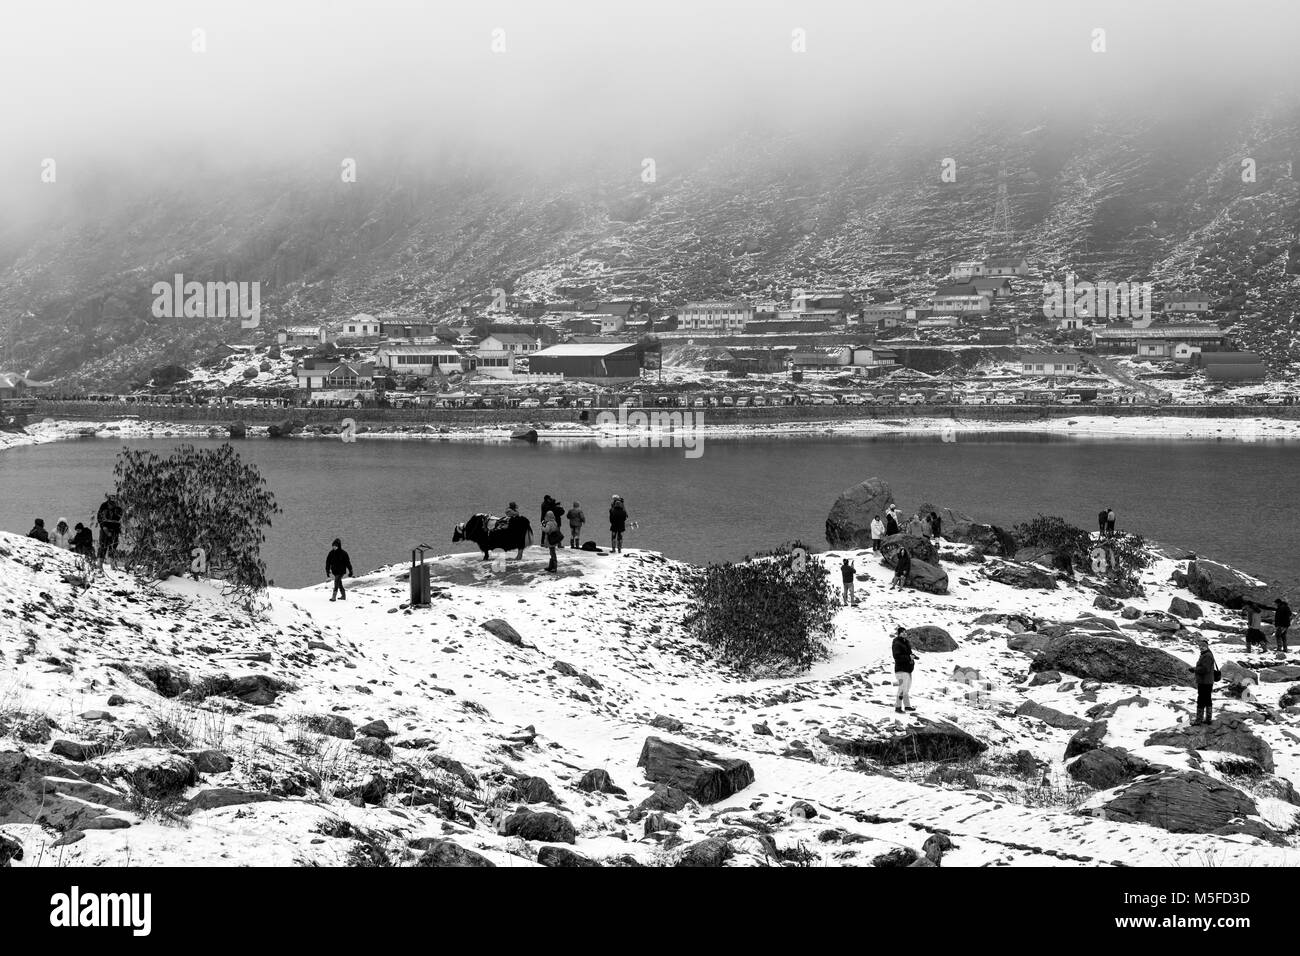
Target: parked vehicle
column 743, row 401
column 1004, row 399
column 760, row 401
column 915, row 398
column 728, row 401
column 852, row 399
column 1275, row 400
column 553, row 402
column 821, row 398
column 526, row 403
column 1071, row 399
column 975, row 398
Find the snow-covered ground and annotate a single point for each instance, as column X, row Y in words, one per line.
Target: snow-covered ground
column 603, row 655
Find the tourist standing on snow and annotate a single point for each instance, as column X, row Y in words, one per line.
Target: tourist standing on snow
column 83, row 542
column 1281, row 621
column 936, row 527
column 902, row 570
column 1110, row 521
column 38, row 531
column 109, row 517
column 1254, row 635
column 1207, row 672
column 846, row 576
column 877, row 532
column 337, row 564
column 617, row 522
column 551, row 535
column 904, row 663
column 1101, row 521
column 576, row 520
column 891, row 520
column 62, row 537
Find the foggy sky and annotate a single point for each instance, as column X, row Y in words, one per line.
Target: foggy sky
column 303, row 83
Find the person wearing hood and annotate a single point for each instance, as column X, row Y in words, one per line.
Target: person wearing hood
column 62, row 536
column 337, row 564
column 83, row 542
column 576, row 520
column 904, row 664
column 617, row 523
column 902, row 570
column 38, row 531
column 1207, row 672
column 891, row 520
column 877, row 532
column 936, row 527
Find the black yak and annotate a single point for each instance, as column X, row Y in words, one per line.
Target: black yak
column 490, row 532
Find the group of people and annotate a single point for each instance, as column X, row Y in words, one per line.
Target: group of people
column 553, row 514
column 1281, row 624
column 80, row 539
column 921, row 525
column 1106, row 521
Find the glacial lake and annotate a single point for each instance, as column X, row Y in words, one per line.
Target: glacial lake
column 1231, row 501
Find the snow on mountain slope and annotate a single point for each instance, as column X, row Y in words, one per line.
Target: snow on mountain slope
column 480, row 725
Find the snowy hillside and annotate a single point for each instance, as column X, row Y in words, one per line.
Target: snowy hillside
column 159, row 726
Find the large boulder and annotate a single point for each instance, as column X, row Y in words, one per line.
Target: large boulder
column 1114, row 660
column 924, row 576
column 1185, row 609
column 985, row 538
column 1086, row 739
column 1222, row 584
column 924, row 739
column 1181, row 801
column 1050, row 716
column 705, row 776
column 930, row 639
column 544, row 827
column 1107, row 767
column 450, row 853
column 849, row 523
column 919, row 548
column 1019, row 575
column 1229, row 734
column 156, row 774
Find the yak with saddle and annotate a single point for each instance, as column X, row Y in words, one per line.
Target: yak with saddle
column 490, row 532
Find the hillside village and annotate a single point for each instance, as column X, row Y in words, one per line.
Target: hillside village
column 984, row 335
column 571, row 720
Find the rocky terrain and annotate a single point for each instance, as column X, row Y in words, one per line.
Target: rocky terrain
column 1110, row 195
column 568, row 720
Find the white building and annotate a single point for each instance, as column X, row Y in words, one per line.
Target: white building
column 715, row 317
column 1060, row 363
column 419, row 360
column 360, row 326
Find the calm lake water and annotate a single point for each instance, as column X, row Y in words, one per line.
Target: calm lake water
column 1230, row 501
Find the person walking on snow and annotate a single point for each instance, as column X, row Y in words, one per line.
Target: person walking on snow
column 337, row 564
column 1281, row 622
column 846, row 577
column 904, row 663
column 877, row 532
column 1207, row 672
column 109, row 517
column 551, row 535
column 576, row 520
column 617, row 523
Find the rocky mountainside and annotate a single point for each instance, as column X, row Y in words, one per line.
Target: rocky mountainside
column 1110, row 196
column 568, row 720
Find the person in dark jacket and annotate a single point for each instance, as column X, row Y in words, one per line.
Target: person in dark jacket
column 83, row 542
column 936, row 526
column 337, row 564
column 551, row 535
column 38, row 531
column 617, row 522
column 902, row 570
column 891, row 521
column 904, row 663
column 1207, row 672
column 1281, row 622
column 846, row 577
column 109, row 517
column 1101, row 521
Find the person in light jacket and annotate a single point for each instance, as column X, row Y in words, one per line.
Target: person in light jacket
column 62, row 536
column 877, row 532
column 576, row 520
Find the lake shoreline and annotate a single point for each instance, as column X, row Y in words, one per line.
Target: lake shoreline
column 1160, row 428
